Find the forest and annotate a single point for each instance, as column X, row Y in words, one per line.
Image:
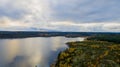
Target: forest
column 94, row 51
column 27, row 34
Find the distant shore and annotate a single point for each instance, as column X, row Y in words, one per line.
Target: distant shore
column 27, row 34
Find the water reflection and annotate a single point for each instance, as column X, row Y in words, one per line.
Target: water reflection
column 30, row 52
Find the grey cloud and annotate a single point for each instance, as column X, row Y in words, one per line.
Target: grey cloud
column 62, row 10
column 41, row 13
column 87, row 10
column 8, row 8
column 11, row 13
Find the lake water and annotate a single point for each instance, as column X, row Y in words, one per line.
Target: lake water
column 32, row 52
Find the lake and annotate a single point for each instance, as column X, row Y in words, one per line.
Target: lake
column 32, row 52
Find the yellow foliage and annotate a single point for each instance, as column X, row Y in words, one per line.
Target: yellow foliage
column 95, row 46
column 71, row 50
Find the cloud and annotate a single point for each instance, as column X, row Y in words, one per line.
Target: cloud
column 6, row 22
column 28, row 11
column 112, row 27
column 69, row 13
column 89, row 27
column 87, row 11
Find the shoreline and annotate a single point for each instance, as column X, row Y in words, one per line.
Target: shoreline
column 65, row 49
column 100, row 49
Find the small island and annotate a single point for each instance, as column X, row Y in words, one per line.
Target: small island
column 95, row 51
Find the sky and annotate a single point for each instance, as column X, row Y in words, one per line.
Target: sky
column 60, row 15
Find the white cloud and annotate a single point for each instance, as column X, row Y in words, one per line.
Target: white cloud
column 94, row 26
column 6, row 22
column 112, row 27
column 31, row 10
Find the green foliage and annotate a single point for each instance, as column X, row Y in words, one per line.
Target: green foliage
column 106, row 37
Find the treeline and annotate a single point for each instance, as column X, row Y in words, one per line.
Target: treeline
column 24, row 34
column 106, row 37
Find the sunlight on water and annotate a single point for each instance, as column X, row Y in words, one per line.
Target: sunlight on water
column 31, row 52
